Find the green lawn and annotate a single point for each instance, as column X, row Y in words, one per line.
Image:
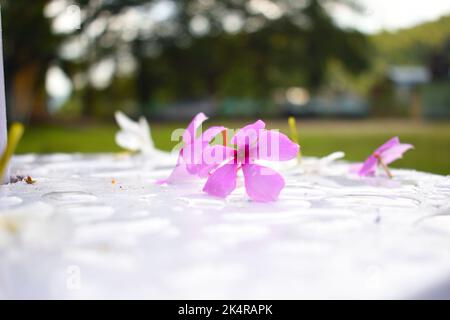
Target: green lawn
column 317, row 138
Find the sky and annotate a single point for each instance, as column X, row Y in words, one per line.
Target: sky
column 392, row 14
column 378, row 14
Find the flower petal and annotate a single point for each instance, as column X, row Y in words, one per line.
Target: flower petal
column 355, row 167
column 395, row 152
column 332, row 157
column 193, row 155
column 249, row 132
column 388, row 144
column 179, row 174
column 128, row 140
column 275, row 146
column 133, row 135
column 126, row 123
column 369, row 166
column 223, row 181
column 201, row 160
column 190, row 134
column 217, row 154
column 212, row 157
column 261, row 183
column 146, row 133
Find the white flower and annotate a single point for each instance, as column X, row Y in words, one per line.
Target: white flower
column 133, row 136
column 307, row 165
column 136, row 136
column 321, row 165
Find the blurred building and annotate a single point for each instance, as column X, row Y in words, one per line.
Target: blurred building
column 424, row 90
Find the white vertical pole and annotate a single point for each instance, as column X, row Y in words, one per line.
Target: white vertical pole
column 3, row 131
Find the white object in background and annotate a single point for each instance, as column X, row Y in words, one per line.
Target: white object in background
column 320, row 165
column 307, row 165
column 3, row 131
column 136, row 136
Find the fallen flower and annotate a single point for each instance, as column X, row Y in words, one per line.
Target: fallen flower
column 384, row 155
column 136, row 136
column 321, row 165
column 253, row 142
column 191, row 159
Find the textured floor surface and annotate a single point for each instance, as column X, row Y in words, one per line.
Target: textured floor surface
column 97, row 226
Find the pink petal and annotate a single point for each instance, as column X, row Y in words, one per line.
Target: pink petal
column 190, row 133
column 207, row 159
column 389, row 144
column 275, row 146
column 248, row 134
column 193, row 155
column 395, row 152
column 217, row 154
column 369, row 166
column 179, row 174
column 213, row 157
column 355, row 167
column 223, row 181
column 198, row 169
column 261, row 183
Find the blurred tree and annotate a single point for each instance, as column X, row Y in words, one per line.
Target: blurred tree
column 29, row 48
column 196, row 48
column 173, row 50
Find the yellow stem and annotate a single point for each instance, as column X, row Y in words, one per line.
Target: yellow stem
column 15, row 134
column 294, row 133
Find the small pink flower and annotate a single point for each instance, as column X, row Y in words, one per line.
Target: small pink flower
column 191, row 159
column 253, row 142
column 384, row 155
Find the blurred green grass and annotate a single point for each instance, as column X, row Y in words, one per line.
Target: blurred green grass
column 317, row 138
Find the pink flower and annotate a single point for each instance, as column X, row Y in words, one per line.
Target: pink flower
column 253, row 142
column 384, row 155
column 191, row 159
